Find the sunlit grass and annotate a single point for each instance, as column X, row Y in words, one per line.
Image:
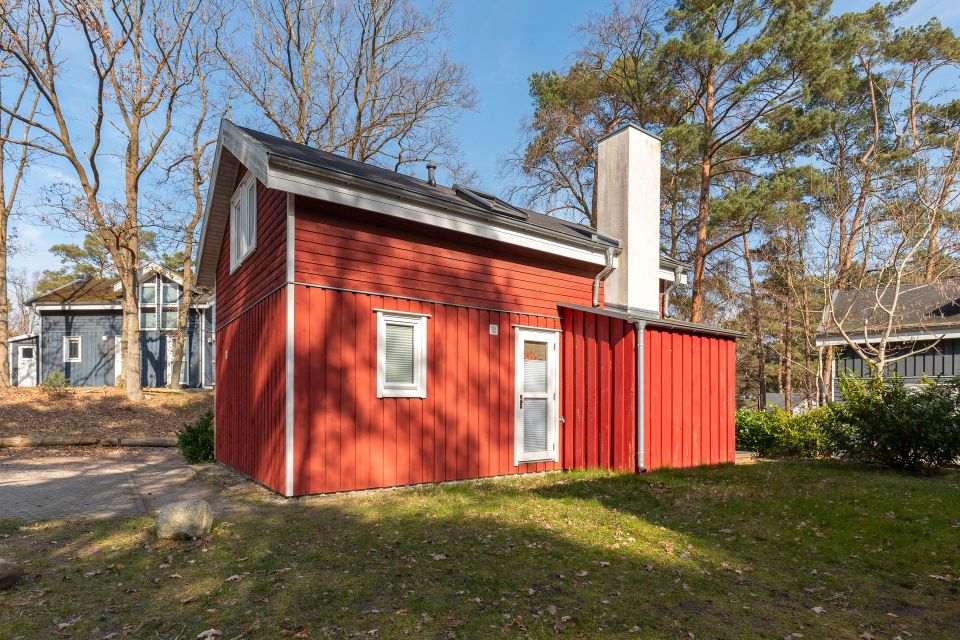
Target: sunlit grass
column 763, row 551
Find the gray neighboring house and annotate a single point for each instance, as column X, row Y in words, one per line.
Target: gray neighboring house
column 926, row 325
column 80, row 332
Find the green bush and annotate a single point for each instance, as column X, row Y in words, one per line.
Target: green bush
column 56, row 381
column 196, row 439
column 885, row 422
column 776, row 433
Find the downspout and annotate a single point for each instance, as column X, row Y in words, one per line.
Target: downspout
column 602, row 276
column 666, row 294
column 641, row 326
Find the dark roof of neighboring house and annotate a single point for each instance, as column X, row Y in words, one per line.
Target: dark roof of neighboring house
column 933, row 305
column 83, row 291
column 96, row 291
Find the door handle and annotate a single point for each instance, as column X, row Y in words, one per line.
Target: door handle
column 521, row 402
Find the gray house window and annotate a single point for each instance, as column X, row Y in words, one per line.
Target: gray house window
column 71, row 349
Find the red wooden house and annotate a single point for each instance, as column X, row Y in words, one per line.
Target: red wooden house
column 376, row 330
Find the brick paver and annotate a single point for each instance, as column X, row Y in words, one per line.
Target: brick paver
column 61, row 487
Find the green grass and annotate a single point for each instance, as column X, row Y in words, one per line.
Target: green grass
column 729, row 552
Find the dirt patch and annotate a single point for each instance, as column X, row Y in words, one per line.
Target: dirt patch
column 103, row 412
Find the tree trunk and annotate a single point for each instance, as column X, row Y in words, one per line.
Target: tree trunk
column 183, row 315
column 4, row 306
column 757, row 329
column 703, row 206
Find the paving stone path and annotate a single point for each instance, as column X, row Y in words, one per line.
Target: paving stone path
column 45, row 488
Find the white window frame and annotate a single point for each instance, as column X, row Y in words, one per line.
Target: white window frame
column 243, row 208
column 164, row 306
column 552, row 338
column 66, row 349
column 141, row 306
column 418, row 389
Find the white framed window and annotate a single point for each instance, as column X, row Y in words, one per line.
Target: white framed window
column 243, row 221
column 401, row 354
column 148, row 305
column 170, row 301
column 71, row 348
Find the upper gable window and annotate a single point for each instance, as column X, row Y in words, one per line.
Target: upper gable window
column 243, row 221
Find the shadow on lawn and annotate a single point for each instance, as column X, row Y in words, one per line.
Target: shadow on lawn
column 577, row 555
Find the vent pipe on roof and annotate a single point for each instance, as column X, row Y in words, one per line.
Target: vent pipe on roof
column 431, row 174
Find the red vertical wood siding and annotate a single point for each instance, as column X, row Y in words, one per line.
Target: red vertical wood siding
column 251, row 348
column 688, row 395
column 251, row 392
column 598, row 392
column 347, row 438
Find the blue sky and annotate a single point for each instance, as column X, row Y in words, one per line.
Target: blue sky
column 500, row 42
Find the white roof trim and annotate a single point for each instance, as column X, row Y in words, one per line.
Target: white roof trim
column 667, row 274
column 22, row 336
column 907, row 336
column 89, row 306
column 254, row 157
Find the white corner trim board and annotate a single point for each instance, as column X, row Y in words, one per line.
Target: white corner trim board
column 290, row 350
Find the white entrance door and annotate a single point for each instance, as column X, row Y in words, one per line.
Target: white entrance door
column 26, row 366
column 536, row 388
column 117, row 359
column 170, row 340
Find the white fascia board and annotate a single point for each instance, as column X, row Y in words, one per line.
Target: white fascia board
column 322, row 189
column 666, row 274
column 22, row 336
column 912, row 336
column 51, row 306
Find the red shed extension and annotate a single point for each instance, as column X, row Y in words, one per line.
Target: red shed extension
column 376, row 330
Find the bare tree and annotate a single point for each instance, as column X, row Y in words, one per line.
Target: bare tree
column 195, row 165
column 16, row 97
column 137, row 74
column 359, row 77
column 23, row 285
column 913, row 189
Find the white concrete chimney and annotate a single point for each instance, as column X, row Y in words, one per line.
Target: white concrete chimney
column 628, row 208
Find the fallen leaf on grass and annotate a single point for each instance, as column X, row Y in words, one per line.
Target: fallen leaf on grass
column 210, row 633
column 234, row 578
column 818, row 610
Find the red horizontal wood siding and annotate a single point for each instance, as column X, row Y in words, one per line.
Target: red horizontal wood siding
column 263, row 270
column 345, row 438
column 251, row 391
column 346, row 248
column 688, row 395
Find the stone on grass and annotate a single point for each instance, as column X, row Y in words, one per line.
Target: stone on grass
column 184, row 520
column 10, row 572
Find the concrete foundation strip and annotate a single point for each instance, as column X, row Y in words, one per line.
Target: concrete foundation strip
column 80, row 441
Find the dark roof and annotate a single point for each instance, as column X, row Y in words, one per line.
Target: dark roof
column 670, row 323
column 97, row 291
column 85, row 291
column 331, row 162
column 933, row 305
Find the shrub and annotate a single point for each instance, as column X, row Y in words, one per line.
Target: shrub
column 56, row 382
column 776, row 433
column 196, row 439
column 885, row 422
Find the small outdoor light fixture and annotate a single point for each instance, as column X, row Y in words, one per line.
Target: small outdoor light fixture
column 494, row 330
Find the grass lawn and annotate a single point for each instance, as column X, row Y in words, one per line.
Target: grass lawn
column 772, row 550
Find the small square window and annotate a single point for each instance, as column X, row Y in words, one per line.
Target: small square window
column 401, row 355
column 148, row 293
column 171, row 293
column 168, row 318
column 71, row 349
column 148, row 319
